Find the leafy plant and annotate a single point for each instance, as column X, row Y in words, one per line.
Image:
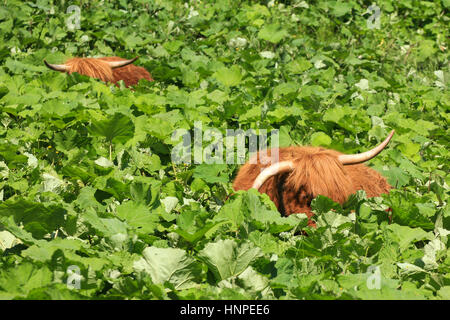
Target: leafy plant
column 87, row 180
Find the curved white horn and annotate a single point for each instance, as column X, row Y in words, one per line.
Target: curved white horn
column 123, row 63
column 57, row 67
column 362, row 157
column 273, row 170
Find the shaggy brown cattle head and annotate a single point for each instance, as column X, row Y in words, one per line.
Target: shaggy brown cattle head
column 302, row 173
column 107, row 69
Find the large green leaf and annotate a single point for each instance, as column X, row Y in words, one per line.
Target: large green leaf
column 17, row 281
column 118, row 128
column 138, row 216
column 171, row 265
column 36, row 218
column 405, row 236
column 272, row 33
column 87, row 176
column 229, row 76
column 227, row 258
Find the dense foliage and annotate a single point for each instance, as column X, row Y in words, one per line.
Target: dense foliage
column 87, row 181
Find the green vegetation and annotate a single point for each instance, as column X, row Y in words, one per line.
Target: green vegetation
column 86, row 177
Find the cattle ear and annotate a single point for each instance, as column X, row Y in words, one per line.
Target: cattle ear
column 123, row 63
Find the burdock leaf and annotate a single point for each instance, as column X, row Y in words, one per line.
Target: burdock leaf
column 320, row 139
column 9, row 153
column 171, row 265
column 137, row 215
column 108, row 227
column 405, row 236
column 119, row 128
column 272, row 33
column 211, row 173
column 36, row 218
column 229, row 76
column 227, row 258
column 17, row 281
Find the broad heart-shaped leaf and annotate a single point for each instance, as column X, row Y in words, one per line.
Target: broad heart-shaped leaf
column 263, row 214
column 229, row 76
column 171, row 265
column 340, row 9
column 396, row 176
column 36, row 218
column 233, row 213
column 211, row 173
column 44, row 250
column 18, row 280
column 227, row 258
column 116, row 187
column 108, row 227
column 386, row 293
column 145, row 190
column 286, row 275
column 444, row 292
column 55, row 291
column 86, row 199
column 272, row 33
column 322, row 204
column 359, row 286
column 66, row 140
column 193, row 237
column 268, row 218
column 10, row 225
column 137, row 215
column 252, row 280
column 405, row 236
column 406, row 212
column 320, row 139
column 9, row 153
column 119, row 128
column 342, row 116
column 7, row 240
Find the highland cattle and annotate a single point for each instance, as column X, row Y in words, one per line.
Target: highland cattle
column 107, row 69
column 302, row 173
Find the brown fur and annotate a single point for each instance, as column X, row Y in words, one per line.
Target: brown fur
column 317, row 172
column 97, row 68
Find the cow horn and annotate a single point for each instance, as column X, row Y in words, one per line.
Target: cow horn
column 123, row 63
column 274, row 169
column 57, row 67
column 362, row 157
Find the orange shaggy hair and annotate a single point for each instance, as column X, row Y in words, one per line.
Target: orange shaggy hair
column 97, row 68
column 317, row 171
